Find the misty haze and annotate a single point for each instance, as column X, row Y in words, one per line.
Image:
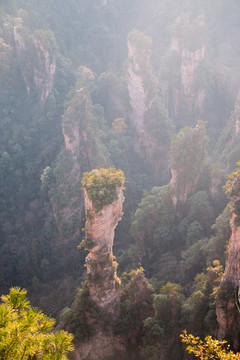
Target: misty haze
column 119, row 179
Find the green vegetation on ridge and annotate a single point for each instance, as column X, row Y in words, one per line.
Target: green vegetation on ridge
column 101, row 186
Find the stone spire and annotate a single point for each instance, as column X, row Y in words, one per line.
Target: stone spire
column 103, row 196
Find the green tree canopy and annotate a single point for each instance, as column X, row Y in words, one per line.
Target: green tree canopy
column 101, row 185
column 25, row 332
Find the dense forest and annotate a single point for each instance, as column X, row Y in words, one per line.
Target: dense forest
column 150, row 88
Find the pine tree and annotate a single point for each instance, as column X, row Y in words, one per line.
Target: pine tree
column 26, row 333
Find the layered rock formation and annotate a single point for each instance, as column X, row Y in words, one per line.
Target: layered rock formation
column 232, row 269
column 186, row 99
column 39, row 74
column 81, row 135
column 68, row 204
column 236, row 119
column 227, row 307
column 149, row 121
column 102, row 282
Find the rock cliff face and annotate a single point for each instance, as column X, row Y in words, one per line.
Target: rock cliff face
column 74, row 135
column 38, row 73
column 45, row 70
column 102, row 281
column 148, row 118
column 99, row 229
column 68, row 204
column 190, row 61
column 188, row 49
column 236, row 117
column 227, row 306
column 232, row 269
column 83, row 151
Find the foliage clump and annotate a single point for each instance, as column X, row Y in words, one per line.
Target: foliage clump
column 209, row 348
column 101, row 186
column 81, row 318
column 188, row 152
column 25, row 332
column 232, row 186
column 232, row 190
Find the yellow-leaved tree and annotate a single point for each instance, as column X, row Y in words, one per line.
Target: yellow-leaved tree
column 209, row 348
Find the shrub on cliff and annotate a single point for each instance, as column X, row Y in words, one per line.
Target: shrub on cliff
column 232, row 190
column 101, row 186
column 232, row 186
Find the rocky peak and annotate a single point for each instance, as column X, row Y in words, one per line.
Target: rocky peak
column 101, row 221
column 68, row 204
column 232, row 269
column 45, row 71
column 139, row 50
column 83, row 151
column 236, row 117
column 188, row 46
column 103, row 196
column 148, row 118
column 74, row 135
column 227, row 307
column 188, row 154
column 38, row 70
column 19, row 41
column 190, row 61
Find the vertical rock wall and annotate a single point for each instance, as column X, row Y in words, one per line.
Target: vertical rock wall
column 83, row 151
column 151, row 129
column 227, row 305
column 232, row 269
column 39, row 71
column 103, row 283
column 184, row 93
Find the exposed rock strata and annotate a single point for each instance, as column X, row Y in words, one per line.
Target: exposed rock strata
column 188, row 49
column 83, row 151
column 99, row 228
column 190, row 61
column 236, row 117
column 102, row 281
column 232, row 270
column 227, row 307
column 148, row 118
column 39, row 74
column 74, row 135
column 68, row 206
column 45, row 70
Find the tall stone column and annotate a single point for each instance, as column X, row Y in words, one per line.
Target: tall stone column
column 102, row 280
